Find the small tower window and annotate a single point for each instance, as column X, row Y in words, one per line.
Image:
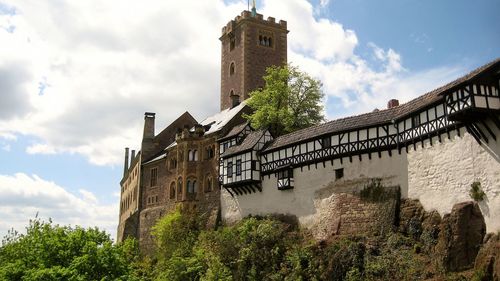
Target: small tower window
column 235, row 99
column 231, row 69
column 232, row 43
column 339, row 173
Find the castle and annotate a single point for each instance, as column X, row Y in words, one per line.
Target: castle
column 431, row 148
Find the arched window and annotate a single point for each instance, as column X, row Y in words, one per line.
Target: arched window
column 188, row 187
column 231, row 69
column 195, row 155
column 208, row 184
column 190, row 155
column 192, row 186
column 179, row 189
column 195, row 186
column 172, row 190
column 270, row 44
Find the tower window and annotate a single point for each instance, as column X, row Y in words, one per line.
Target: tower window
column 231, row 69
column 265, row 40
column 232, row 43
column 235, row 99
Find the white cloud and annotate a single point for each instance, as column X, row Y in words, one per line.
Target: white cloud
column 82, row 73
column 40, row 149
column 23, row 196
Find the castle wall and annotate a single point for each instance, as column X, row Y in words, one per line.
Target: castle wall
column 441, row 175
column 320, row 202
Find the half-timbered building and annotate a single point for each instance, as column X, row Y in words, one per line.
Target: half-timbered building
column 432, row 147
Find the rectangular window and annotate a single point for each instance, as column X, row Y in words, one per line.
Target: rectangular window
column 326, row 142
column 238, row 167
column 154, row 177
column 254, row 165
column 285, row 179
column 415, row 120
column 339, row 173
column 229, row 169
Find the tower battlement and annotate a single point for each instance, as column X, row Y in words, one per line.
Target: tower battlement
column 247, row 16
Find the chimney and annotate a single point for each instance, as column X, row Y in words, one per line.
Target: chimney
column 392, row 103
column 125, row 167
column 132, row 157
column 149, row 125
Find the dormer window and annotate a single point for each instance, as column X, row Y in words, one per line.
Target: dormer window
column 326, row 142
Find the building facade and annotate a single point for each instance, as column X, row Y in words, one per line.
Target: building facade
column 433, row 148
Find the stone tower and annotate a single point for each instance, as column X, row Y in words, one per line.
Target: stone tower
column 250, row 44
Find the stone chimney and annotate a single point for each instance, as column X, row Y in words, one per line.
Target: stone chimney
column 125, row 167
column 392, row 103
column 149, row 125
column 132, row 157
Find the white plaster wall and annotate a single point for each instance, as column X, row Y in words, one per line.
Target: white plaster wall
column 440, row 175
column 316, row 190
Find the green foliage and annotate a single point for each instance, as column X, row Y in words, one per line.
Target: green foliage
column 374, row 191
column 53, row 252
column 289, row 101
column 476, row 192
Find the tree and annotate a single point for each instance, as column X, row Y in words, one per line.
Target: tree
column 289, row 101
column 53, row 252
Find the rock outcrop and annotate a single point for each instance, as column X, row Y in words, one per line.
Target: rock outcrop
column 460, row 237
column 488, row 259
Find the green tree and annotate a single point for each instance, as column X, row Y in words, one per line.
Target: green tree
column 289, row 101
column 53, row 252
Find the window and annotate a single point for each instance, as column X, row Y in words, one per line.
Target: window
column 235, row 99
column 229, row 169
column 192, row 186
column 173, row 163
column 232, row 43
column 254, row 165
column 172, row 190
column 285, row 178
column 209, row 152
column 326, row 142
column 231, row 69
column 179, row 189
column 339, row 173
column 208, row 184
column 154, row 177
column 415, row 120
column 190, row 155
column 238, row 167
column 195, row 155
column 265, row 40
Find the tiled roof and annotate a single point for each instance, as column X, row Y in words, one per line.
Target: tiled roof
column 234, row 131
column 377, row 117
column 249, row 142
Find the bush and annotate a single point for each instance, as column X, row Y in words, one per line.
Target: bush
column 53, row 252
column 476, row 192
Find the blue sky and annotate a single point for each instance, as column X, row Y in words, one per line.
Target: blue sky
column 76, row 78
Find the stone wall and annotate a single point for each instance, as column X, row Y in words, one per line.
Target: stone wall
column 440, row 175
column 317, row 197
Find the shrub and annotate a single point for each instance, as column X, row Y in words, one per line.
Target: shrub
column 476, row 192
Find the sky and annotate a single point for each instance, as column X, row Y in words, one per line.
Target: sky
column 77, row 76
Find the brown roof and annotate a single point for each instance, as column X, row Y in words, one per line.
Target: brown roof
column 248, row 143
column 378, row 117
column 234, row 131
column 167, row 136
